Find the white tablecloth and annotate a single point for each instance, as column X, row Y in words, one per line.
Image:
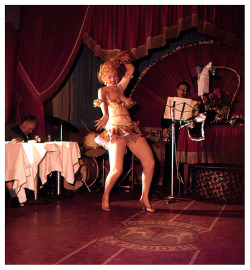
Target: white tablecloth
column 23, row 159
column 62, row 157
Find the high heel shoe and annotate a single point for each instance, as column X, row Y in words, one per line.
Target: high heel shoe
column 148, row 209
column 106, row 208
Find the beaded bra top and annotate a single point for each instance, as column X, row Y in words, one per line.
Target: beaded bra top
column 117, row 104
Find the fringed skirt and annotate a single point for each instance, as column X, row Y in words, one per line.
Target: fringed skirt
column 130, row 132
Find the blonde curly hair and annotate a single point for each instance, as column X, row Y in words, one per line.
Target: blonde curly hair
column 116, row 64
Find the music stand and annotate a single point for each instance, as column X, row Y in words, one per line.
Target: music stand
column 181, row 114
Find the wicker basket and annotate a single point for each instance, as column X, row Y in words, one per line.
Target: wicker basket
column 218, row 184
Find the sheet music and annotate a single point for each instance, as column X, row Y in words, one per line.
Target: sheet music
column 183, row 106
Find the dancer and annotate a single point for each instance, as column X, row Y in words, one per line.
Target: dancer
column 120, row 131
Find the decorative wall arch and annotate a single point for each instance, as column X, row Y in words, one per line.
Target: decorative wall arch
column 160, row 79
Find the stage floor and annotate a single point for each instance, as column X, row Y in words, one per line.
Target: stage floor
column 73, row 230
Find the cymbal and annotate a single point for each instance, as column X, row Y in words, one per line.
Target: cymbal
column 60, row 122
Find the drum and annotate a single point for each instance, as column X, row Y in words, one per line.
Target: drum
column 88, row 173
column 89, row 170
column 91, row 148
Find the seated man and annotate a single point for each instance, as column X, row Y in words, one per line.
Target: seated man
column 22, row 132
column 19, row 133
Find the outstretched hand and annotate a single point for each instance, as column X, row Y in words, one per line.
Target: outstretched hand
column 101, row 123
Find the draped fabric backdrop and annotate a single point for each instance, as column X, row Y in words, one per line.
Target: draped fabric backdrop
column 50, row 37
column 86, row 86
column 11, row 47
column 64, row 102
column 159, row 81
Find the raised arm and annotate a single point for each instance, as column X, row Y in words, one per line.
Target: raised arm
column 128, row 74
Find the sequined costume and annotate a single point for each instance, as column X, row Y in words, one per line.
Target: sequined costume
column 129, row 131
column 117, row 104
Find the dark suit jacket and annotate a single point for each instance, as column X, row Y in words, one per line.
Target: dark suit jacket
column 166, row 123
column 14, row 132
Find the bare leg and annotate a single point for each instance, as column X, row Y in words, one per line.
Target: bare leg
column 116, row 155
column 143, row 152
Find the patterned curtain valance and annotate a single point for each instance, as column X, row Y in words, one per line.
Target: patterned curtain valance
column 140, row 28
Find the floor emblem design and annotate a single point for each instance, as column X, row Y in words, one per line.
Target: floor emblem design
column 156, row 236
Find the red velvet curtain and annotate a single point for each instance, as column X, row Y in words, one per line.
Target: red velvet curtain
column 50, row 37
column 11, row 46
column 159, row 81
column 139, row 28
